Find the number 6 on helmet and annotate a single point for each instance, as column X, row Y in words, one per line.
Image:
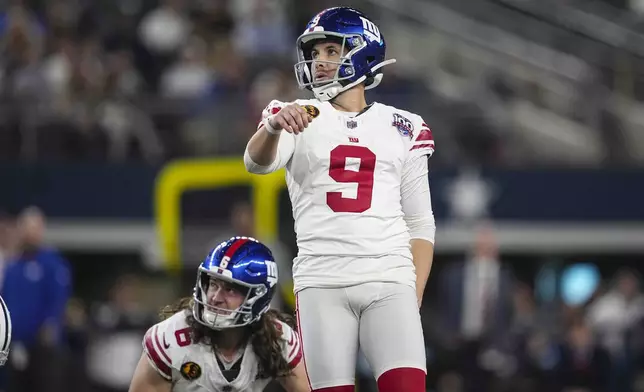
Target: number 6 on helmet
column 5, row 332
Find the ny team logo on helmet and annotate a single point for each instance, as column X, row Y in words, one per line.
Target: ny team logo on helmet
column 5, row 332
column 361, row 39
column 247, row 264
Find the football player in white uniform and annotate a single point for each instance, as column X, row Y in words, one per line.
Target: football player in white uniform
column 5, row 332
column 357, row 176
column 224, row 338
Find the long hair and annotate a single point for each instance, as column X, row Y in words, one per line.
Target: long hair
column 265, row 336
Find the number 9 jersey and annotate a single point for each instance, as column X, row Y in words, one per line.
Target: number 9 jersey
column 358, row 184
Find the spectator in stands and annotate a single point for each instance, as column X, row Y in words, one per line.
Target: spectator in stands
column 613, row 317
column 163, row 31
column 117, row 329
column 617, row 311
column 585, row 365
column 76, row 334
column 36, row 288
column 190, row 76
column 7, row 242
column 476, row 308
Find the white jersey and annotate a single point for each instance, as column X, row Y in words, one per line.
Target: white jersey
column 346, row 176
column 194, row 367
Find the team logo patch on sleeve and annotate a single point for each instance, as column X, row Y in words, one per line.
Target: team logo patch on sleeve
column 404, row 126
column 312, row 110
column 190, row 371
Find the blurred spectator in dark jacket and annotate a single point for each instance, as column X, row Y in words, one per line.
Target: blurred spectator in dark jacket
column 613, row 317
column 117, row 329
column 36, row 289
column 476, row 309
column 585, row 365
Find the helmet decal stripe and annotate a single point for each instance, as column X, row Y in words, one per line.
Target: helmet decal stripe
column 234, row 247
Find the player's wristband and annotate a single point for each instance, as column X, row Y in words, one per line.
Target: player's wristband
column 269, row 128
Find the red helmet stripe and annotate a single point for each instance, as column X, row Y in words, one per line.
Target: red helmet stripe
column 234, row 247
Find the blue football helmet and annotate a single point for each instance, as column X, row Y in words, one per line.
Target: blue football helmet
column 242, row 264
column 360, row 39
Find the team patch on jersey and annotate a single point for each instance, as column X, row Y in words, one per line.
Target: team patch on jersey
column 312, row 110
column 404, row 126
column 190, row 371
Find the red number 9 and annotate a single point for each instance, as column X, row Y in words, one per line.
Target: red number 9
column 363, row 177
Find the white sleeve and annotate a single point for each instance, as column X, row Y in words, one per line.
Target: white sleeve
column 285, row 150
column 285, row 147
column 416, row 199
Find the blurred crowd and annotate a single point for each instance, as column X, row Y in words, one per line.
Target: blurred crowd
column 148, row 81
column 570, row 329
column 96, row 81
column 123, row 80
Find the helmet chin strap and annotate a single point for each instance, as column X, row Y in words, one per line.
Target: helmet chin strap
column 217, row 320
column 332, row 90
column 329, row 91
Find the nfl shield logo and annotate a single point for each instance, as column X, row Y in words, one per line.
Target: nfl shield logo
column 351, row 124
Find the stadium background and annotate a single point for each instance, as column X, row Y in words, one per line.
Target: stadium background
column 125, row 121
